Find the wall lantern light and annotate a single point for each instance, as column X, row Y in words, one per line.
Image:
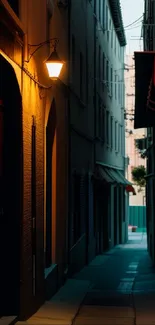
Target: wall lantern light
column 53, row 63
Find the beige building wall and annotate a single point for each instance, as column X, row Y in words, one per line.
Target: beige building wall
column 132, row 134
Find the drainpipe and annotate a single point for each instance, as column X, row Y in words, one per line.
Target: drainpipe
column 94, row 149
column 69, row 221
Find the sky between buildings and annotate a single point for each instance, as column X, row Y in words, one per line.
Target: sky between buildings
column 132, row 10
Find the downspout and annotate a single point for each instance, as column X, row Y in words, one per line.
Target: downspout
column 69, row 221
column 94, row 79
column 94, row 149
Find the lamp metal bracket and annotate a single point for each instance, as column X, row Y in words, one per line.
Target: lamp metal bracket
column 33, row 48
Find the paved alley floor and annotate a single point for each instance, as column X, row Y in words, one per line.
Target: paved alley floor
column 116, row 288
column 123, row 286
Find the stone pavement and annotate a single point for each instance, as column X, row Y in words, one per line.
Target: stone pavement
column 116, row 288
column 7, row 320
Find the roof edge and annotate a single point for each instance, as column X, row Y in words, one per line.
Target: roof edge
column 116, row 13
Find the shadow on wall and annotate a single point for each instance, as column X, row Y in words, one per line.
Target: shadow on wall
column 11, row 195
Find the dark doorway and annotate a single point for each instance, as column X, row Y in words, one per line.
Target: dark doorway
column 105, row 216
column 102, row 215
column 120, row 199
column 10, row 189
column 115, row 216
column 50, row 132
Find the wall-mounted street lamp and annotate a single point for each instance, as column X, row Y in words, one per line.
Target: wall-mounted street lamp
column 53, row 63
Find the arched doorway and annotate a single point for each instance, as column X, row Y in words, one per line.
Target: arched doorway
column 10, row 189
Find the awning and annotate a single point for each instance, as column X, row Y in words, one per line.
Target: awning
column 118, row 176
column 130, row 189
column 110, row 175
column 101, row 174
column 126, row 182
column 144, row 89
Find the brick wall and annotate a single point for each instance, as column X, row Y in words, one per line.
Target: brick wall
column 32, row 105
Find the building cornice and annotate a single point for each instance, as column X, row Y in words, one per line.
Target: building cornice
column 116, row 13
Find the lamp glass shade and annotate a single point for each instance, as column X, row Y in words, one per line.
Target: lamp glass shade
column 54, row 65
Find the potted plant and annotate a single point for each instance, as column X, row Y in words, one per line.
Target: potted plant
column 134, row 228
column 138, row 175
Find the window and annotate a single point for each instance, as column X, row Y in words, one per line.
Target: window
column 119, row 90
column 108, row 31
column 112, row 37
column 81, row 76
column 103, row 14
column 122, row 93
column 116, row 134
column 111, row 131
column 73, row 55
column 87, row 74
column 111, row 82
column 99, row 66
column 121, row 96
column 107, row 127
column 99, row 15
column 103, row 124
column 103, row 71
column 115, row 44
column 110, row 28
column 119, row 137
column 48, row 18
column 100, row 120
column 14, row 4
column 107, row 74
column 119, row 52
column 115, row 86
column 106, row 20
column 120, row 143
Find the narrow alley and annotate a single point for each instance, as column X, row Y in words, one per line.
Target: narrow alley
column 116, row 288
column 77, row 162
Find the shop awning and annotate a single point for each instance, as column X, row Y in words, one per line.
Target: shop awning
column 144, row 89
column 118, row 176
column 101, row 174
column 130, row 189
column 110, row 175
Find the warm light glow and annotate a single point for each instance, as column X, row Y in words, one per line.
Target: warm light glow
column 54, row 69
column 54, row 65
